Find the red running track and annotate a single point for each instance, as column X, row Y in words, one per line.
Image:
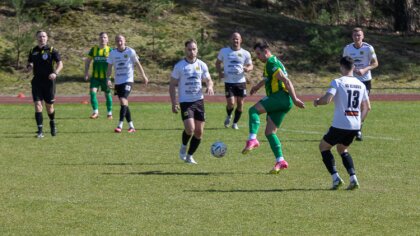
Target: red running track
column 22, row 99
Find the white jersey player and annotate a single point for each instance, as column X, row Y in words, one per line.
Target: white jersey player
column 236, row 61
column 351, row 108
column 188, row 75
column 123, row 59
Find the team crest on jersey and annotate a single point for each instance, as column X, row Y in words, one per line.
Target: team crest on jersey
column 361, row 52
column 125, row 56
column 274, row 69
column 239, row 54
column 197, row 68
column 45, row 56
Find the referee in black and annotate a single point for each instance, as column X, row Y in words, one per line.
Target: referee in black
column 46, row 64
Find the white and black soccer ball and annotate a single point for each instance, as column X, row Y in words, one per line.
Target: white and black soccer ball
column 218, row 149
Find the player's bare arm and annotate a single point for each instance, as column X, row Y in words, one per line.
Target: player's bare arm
column 108, row 75
column 59, row 67
column 209, row 84
column 248, row 67
column 373, row 64
column 145, row 79
column 324, row 100
column 256, row 87
column 87, row 66
column 365, row 108
column 290, row 88
column 172, row 92
column 219, row 69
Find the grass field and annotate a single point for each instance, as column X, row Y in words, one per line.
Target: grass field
column 90, row 181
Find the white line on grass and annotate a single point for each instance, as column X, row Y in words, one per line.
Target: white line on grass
column 322, row 133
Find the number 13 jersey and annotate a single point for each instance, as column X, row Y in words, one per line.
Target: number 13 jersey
column 348, row 93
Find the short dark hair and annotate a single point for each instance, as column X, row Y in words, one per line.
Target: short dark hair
column 189, row 41
column 102, row 33
column 261, row 45
column 40, row 31
column 347, row 62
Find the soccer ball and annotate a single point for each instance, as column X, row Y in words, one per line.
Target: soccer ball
column 218, row 149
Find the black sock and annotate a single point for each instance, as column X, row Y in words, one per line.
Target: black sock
column 123, row 111
column 237, row 116
column 328, row 159
column 185, row 138
column 348, row 163
column 229, row 111
column 39, row 120
column 52, row 116
column 128, row 114
column 193, row 145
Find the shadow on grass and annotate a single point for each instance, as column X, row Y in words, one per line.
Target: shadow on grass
column 113, row 164
column 164, row 173
column 257, row 190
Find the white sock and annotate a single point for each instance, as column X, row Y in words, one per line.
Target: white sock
column 96, row 111
column 252, row 136
column 110, row 113
column 130, row 124
column 353, row 178
column 120, row 124
column 335, row 176
column 279, row 159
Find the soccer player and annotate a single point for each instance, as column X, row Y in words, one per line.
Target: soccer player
column 45, row 61
column 365, row 60
column 352, row 105
column 188, row 74
column 280, row 98
column 236, row 61
column 124, row 59
column 99, row 54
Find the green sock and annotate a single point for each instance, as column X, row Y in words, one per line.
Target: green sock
column 93, row 100
column 108, row 97
column 275, row 145
column 254, row 120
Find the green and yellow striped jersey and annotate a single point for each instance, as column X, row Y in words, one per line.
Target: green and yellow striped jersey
column 99, row 56
column 271, row 69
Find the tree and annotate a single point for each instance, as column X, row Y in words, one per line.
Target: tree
column 405, row 16
column 22, row 34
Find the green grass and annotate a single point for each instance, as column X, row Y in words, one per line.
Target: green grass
column 90, row 181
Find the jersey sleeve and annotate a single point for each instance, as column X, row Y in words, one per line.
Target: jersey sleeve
column 134, row 57
column 176, row 72
column 372, row 52
column 110, row 59
column 345, row 51
column 90, row 53
column 206, row 73
column 248, row 59
column 30, row 56
column 55, row 55
column 220, row 55
column 333, row 87
column 365, row 94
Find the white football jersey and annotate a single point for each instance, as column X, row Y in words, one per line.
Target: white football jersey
column 190, row 76
column 362, row 57
column 233, row 64
column 123, row 63
column 348, row 93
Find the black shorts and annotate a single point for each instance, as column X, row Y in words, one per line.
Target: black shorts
column 123, row 90
column 235, row 90
column 193, row 110
column 43, row 91
column 368, row 85
column 340, row 136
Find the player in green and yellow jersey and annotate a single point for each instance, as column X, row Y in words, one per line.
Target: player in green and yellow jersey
column 99, row 54
column 279, row 100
